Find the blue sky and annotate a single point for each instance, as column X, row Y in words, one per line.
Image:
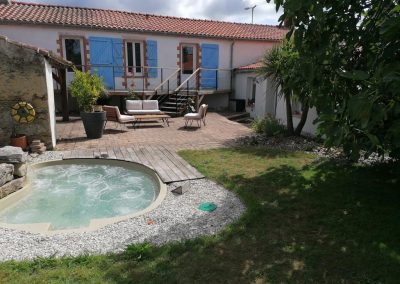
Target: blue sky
column 225, row 10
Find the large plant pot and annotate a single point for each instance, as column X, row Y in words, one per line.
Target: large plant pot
column 20, row 140
column 93, row 123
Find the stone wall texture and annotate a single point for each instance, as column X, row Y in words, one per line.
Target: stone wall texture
column 23, row 78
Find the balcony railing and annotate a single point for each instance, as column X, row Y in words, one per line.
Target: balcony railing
column 158, row 80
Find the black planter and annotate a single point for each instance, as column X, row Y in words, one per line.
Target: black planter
column 93, row 123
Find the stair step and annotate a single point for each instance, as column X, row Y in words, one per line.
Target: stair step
column 167, row 103
column 237, row 116
column 168, row 107
column 245, row 120
column 179, row 98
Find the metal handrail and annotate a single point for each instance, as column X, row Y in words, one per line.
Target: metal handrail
column 187, row 80
column 166, row 80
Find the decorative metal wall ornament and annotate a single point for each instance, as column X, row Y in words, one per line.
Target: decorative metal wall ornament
column 23, row 112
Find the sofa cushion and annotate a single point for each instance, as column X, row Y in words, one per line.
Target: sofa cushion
column 134, row 105
column 150, row 105
column 126, row 118
column 192, row 116
column 144, row 111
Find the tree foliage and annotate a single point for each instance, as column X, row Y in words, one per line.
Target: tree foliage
column 350, row 53
column 281, row 65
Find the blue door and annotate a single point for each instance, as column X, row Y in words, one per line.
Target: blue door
column 101, row 59
column 209, row 59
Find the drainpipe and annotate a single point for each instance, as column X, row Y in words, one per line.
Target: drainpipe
column 231, row 67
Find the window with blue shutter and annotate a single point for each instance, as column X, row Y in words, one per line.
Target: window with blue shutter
column 209, row 59
column 118, row 57
column 106, row 58
column 152, row 58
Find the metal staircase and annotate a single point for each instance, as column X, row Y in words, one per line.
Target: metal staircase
column 175, row 102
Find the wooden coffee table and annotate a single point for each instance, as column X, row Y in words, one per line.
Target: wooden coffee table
column 148, row 117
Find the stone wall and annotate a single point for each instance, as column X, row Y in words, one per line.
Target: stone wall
column 13, row 170
column 23, row 78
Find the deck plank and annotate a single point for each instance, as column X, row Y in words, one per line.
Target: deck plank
column 125, row 154
column 142, row 157
column 111, row 154
column 159, row 167
column 165, row 161
column 185, row 164
column 162, row 161
column 118, row 153
column 133, row 155
column 182, row 167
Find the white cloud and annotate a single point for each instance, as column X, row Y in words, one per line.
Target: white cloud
column 224, row 10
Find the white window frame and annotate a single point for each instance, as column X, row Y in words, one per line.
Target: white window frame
column 82, row 50
column 134, row 72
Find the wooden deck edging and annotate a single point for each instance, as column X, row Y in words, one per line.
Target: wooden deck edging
column 168, row 164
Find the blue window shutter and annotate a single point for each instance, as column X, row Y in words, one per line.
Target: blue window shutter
column 152, row 58
column 118, row 57
column 209, row 59
column 101, row 53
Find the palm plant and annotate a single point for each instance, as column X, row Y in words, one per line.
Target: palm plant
column 280, row 65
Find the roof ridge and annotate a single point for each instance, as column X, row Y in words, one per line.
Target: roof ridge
column 144, row 14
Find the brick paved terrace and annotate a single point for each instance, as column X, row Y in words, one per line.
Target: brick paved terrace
column 218, row 132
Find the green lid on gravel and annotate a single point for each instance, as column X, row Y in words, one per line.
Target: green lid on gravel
column 208, row 206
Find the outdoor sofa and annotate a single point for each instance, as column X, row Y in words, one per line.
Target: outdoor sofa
column 142, row 107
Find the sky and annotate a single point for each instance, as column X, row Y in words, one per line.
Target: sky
column 224, row 10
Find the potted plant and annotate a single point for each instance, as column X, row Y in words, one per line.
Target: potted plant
column 104, row 99
column 132, row 95
column 18, row 140
column 87, row 88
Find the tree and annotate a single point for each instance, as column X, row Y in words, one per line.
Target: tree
column 280, row 64
column 350, row 51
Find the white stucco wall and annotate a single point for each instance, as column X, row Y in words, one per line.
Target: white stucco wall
column 309, row 127
column 244, row 52
column 247, row 52
column 51, row 103
column 264, row 101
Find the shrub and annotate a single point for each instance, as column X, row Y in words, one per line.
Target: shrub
column 138, row 252
column 258, row 125
column 268, row 126
column 132, row 95
column 86, row 88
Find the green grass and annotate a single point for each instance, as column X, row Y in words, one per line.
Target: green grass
column 307, row 221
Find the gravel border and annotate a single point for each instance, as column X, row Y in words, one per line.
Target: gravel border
column 177, row 218
column 306, row 144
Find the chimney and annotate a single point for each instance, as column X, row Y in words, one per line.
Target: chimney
column 7, row 2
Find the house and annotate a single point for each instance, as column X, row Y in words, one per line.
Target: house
column 167, row 58
column 260, row 97
column 26, row 75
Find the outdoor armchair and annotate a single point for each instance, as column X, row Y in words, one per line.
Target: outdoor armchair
column 199, row 116
column 113, row 114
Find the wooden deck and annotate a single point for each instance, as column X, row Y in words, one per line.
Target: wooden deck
column 169, row 165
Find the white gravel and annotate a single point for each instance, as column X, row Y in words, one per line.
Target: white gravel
column 177, row 218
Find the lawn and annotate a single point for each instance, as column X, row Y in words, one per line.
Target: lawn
column 307, row 221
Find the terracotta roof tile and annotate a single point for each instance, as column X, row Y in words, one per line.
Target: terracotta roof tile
column 253, row 66
column 29, row 13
